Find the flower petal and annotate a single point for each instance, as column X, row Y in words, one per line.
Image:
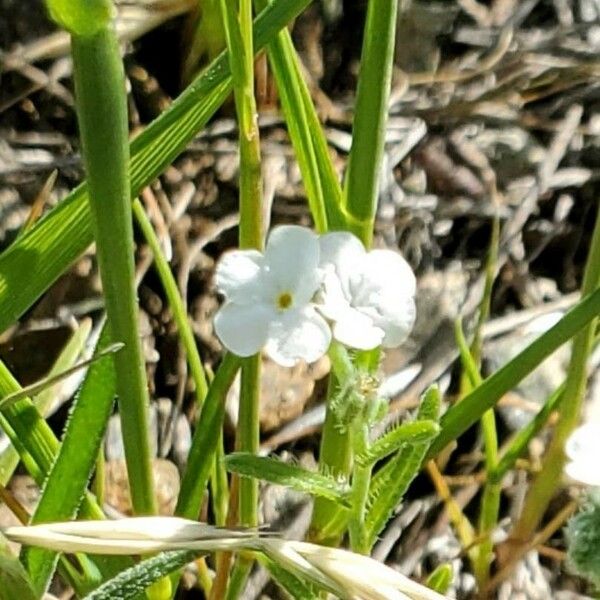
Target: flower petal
column 292, row 258
column 298, row 335
column 584, row 471
column 384, row 273
column 396, row 321
column 238, row 275
column 345, row 252
column 331, row 300
column 385, row 293
column 243, row 328
column 584, row 443
column 357, row 330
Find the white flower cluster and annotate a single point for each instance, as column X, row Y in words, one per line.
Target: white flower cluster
column 305, row 289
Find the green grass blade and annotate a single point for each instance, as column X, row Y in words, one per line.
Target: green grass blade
column 370, row 116
column 175, row 302
column 37, row 446
column 9, row 458
column 470, row 409
column 67, row 481
column 133, row 582
column 321, row 183
column 520, row 442
column 42, row 390
column 14, row 582
column 205, row 440
column 293, row 476
column 51, row 246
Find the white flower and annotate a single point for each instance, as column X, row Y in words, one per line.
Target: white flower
column 269, row 299
column 369, row 296
column 583, row 451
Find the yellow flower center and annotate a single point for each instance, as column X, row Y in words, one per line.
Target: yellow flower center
column 284, row 300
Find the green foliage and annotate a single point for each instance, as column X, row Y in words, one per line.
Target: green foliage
column 390, row 483
column 470, row 409
column 68, row 478
column 415, row 432
column 53, row 243
column 293, row 476
column 583, row 541
column 441, row 578
column 84, row 18
column 135, row 581
column 14, row 582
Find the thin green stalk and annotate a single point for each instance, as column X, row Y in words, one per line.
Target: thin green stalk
column 361, row 480
column 335, row 452
column 370, row 116
column 238, row 34
column 175, row 302
column 548, row 479
column 469, row 410
column 102, row 115
column 205, row 440
column 490, row 500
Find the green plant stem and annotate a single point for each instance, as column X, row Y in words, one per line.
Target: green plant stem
column 489, row 509
column 370, row 116
column 175, row 302
column 548, row 479
column 205, row 440
column 335, row 452
column 102, row 115
column 238, row 34
column 361, row 191
column 361, row 480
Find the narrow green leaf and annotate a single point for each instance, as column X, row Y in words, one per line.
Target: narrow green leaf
column 205, row 440
column 51, row 380
column 321, row 182
column 54, row 242
column 37, row 446
column 470, row 409
column 9, row 458
column 136, row 580
column 14, row 582
column 280, row 473
column 370, row 116
column 414, row 432
column 520, row 442
column 390, row 483
column 441, row 578
column 67, row 481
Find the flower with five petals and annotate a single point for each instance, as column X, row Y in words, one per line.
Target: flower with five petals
column 268, row 299
column 369, row 296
